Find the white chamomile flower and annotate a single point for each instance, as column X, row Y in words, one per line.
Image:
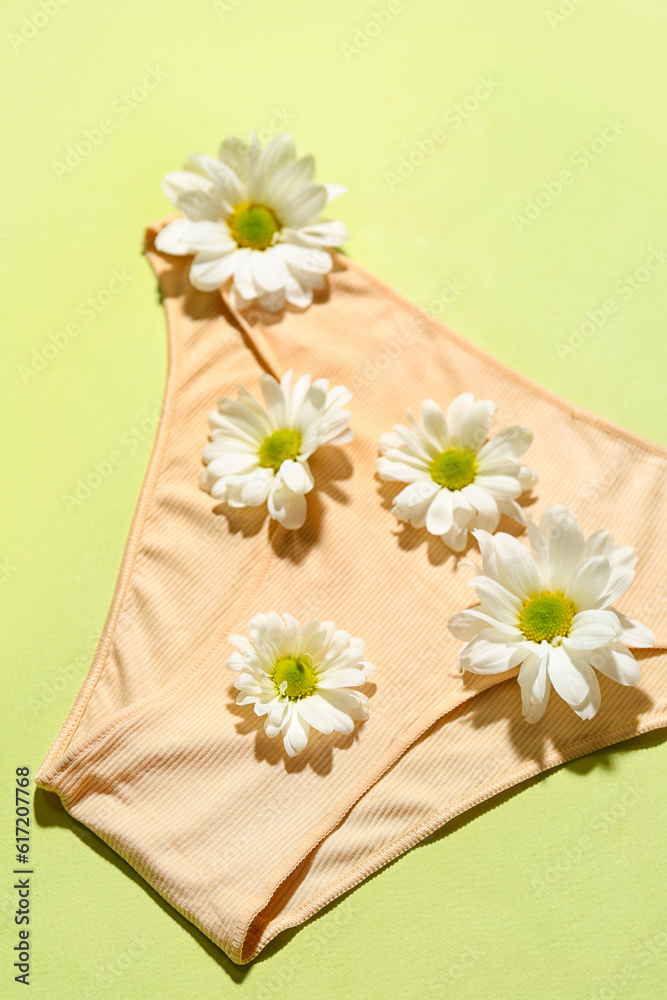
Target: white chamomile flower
column 551, row 612
column 253, row 215
column 301, row 677
column 456, row 482
column 259, row 453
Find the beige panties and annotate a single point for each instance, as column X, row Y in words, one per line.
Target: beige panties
column 156, row 757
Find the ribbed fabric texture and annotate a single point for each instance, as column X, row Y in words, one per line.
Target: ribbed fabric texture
column 155, row 756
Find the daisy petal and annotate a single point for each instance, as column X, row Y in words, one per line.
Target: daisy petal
column 234, row 152
column 174, row 238
column 566, row 544
column 475, row 424
column 483, row 656
column 500, row 487
column 535, row 686
column 634, row 633
column 196, row 196
column 440, row 513
column 588, row 582
column 510, row 442
column 296, row 476
column 617, row 663
column 497, row 600
column 268, row 269
column 326, row 234
column 296, row 294
column 288, row 180
column 474, row 620
column 458, row 410
column 210, row 271
column 620, row 579
column 225, row 179
column 591, row 629
column 295, row 734
column 591, row 703
column 517, row 569
column 278, row 153
column 243, row 283
column 480, row 500
column 304, row 205
column 317, row 713
column 571, row 681
column 434, row 424
column 398, row 472
column 335, row 191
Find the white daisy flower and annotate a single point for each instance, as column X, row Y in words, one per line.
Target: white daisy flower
column 259, row 454
column 253, row 215
column 456, row 482
column 552, row 613
column 301, row 677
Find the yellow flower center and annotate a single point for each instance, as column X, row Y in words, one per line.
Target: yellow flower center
column 300, row 677
column 278, row 448
column 545, row 616
column 253, row 225
column 454, row 468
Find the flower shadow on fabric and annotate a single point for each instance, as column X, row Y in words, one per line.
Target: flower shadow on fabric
column 330, row 465
column 438, row 553
column 199, row 305
column 318, row 754
column 255, row 315
column 605, row 758
column 533, row 740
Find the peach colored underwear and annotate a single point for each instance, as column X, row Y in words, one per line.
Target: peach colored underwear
column 156, row 757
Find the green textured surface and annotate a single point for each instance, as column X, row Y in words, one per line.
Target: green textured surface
column 558, row 892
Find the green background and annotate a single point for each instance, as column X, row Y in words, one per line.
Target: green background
column 557, row 893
